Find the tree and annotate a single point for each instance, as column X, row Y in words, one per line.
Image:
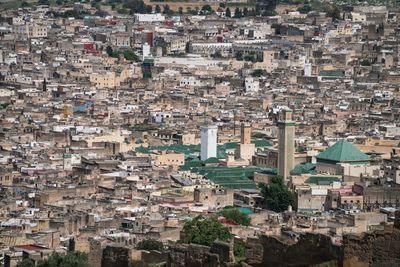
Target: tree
column 24, row 4
column 44, row 85
column 228, row 13
column 207, row 9
column 44, row 2
column 333, row 11
column 304, row 9
column 276, row 195
column 238, row 13
column 25, row 263
column 135, row 6
column 365, row 62
column 130, row 55
column 258, row 73
column 239, row 248
column 180, row 10
column 158, row 9
column 204, row 231
column 149, row 9
column 73, row 259
column 245, row 12
column 150, row 244
column 109, row 51
column 234, row 215
column 217, row 54
column 167, row 10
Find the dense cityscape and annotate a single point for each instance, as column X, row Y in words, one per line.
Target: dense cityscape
column 199, row 133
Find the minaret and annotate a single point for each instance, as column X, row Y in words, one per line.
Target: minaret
column 245, row 133
column 307, row 68
column 245, row 149
column 286, row 144
column 208, row 148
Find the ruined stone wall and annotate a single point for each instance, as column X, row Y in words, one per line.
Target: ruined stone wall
column 192, row 255
column 311, row 249
column 95, row 253
column 115, row 256
column 376, row 249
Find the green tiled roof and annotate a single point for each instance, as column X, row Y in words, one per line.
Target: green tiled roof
column 261, row 142
column 304, row 169
column 211, row 160
column 322, row 180
column 332, row 73
column 343, row 151
column 229, row 177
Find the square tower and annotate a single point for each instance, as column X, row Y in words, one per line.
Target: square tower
column 286, row 144
column 208, row 147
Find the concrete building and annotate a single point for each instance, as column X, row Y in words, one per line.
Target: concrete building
column 214, row 197
column 208, row 141
column 286, row 144
column 146, row 50
column 251, row 85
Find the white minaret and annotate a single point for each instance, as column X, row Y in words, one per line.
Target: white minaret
column 208, row 141
column 307, row 68
column 146, row 50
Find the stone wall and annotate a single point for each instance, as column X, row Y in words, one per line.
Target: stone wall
column 311, row 249
column 219, row 254
column 376, row 249
column 115, row 256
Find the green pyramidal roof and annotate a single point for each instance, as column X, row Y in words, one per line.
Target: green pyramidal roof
column 343, row 151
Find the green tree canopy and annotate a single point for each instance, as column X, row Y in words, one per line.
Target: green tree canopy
column 228, row 12
column 305, row 9
column 234, row 215
column 238, row 13
column 204, row 231
column 207, row 9
column 150, row 244
column 73, row 259
column 276, row 195
column 258, row 73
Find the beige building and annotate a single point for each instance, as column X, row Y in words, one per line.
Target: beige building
column 214, row 197
column 109, row 79
column 169, row 159
column 30, row 31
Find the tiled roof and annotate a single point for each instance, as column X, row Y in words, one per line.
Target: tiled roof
column 343, row 151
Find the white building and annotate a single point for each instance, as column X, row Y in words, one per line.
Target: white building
column 307, row 68
column 190, row 81
column 146, row 50
column 149, row 17
column 208, row 147
column 251, row 85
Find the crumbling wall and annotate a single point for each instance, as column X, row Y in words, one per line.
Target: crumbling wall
column 95, row 253
column 311, row 249
column 377, row 249
column 183, row 255
column 115, row 256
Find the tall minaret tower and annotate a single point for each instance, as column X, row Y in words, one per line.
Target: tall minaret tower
column 208, row 147
column 286, row 144
column 245, row 149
